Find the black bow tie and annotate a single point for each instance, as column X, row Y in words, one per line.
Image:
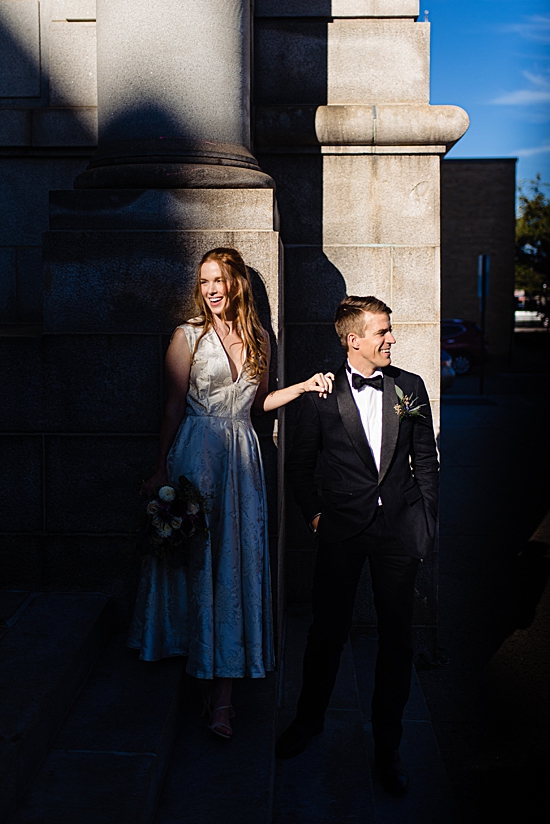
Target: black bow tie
column 359, row 381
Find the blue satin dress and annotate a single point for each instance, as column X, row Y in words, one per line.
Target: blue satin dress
column 216, row 611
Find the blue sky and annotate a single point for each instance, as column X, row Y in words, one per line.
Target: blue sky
column 492, row 57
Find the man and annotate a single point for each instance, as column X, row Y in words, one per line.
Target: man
column 378, row 501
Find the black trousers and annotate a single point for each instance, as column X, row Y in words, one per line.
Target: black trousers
column 337, row 574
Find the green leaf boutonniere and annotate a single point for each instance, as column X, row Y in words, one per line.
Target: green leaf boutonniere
column 407, row 407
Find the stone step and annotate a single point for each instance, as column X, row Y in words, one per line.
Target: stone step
column 48, row 644
column 108, row 761
column 330, row 782
column 214, row 781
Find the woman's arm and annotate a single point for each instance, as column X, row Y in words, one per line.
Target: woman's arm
column 177, row 367
column 266, row 401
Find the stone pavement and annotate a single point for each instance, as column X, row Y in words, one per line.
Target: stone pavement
column 335, row 780
column 89, row 733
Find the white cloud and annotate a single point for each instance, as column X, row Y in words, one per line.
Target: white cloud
column 544, row 149
column 522, row 97
column 538, row 93
column 537, row 27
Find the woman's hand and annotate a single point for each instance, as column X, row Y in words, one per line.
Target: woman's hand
column 158, row 478
column 321, row 383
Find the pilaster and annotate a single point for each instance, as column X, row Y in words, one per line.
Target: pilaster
column 356, row 159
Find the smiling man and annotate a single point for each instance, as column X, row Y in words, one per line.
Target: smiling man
column 378, row 502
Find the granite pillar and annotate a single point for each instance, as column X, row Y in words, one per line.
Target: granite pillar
column 173, row 96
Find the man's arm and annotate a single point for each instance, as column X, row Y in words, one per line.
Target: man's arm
column 424, row 454
column 302, row 459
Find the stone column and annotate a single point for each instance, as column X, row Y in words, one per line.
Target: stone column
column 172, row 178
column 173, row 96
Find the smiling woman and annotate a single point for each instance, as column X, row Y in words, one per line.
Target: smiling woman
column 216, row 611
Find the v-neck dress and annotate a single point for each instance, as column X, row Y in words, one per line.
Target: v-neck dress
column 216, row 611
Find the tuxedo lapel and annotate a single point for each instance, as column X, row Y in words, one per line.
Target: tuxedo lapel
column 390, row 426
column 352, row 420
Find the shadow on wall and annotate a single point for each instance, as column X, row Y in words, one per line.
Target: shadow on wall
column 290, row 82
column 34, row 125
column 20, row 70
column 82, row 405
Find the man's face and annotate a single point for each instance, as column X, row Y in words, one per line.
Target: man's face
column 372, row 350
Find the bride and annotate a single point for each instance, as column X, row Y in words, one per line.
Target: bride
column 217, row 611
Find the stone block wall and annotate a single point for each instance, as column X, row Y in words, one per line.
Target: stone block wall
column 85, row 399
column 48, row 130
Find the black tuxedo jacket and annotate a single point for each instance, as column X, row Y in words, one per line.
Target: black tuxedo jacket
column 407, row 482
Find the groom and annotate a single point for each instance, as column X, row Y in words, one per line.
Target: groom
column 378, row 501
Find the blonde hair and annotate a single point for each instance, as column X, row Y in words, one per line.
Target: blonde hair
column 247, row 322
column 350, row 315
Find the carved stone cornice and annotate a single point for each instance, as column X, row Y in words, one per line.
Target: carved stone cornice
column 395, row 125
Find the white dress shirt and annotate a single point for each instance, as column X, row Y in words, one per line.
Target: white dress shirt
column 369, row 403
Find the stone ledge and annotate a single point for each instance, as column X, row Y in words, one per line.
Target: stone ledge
column 150, row 209
column 337, row 8
column 384, row 150
column 361, row 128
column 375, row 8
column 387, row 126
column 15, row 127
column 65, row 126
column 72, row 10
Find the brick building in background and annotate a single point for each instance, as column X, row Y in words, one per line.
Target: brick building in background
column 478, row 217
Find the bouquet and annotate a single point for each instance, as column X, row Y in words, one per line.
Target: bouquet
column 172, row 517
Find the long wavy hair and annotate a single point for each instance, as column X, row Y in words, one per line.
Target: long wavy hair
column 247, row 323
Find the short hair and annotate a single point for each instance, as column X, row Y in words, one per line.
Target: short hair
column 349, row 315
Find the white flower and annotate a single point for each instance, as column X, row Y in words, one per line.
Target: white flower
column 167, row 493
column 156, row 521
column 152, row 508
column 192, row 509
column 176, row 522
column 164, row 529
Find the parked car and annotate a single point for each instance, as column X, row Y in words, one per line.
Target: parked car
column 463, row 340
column 447, row 371
column 525, row 318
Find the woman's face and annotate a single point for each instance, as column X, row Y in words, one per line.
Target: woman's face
column 214, row 288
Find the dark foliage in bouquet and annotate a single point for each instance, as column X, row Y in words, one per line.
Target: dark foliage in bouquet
column 173, row 516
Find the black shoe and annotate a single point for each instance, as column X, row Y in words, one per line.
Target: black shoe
column 393, row 777
column 295, row 738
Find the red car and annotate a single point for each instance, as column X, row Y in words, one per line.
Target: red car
column 463, row 339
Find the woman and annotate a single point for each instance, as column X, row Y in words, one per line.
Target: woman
column 218, row 610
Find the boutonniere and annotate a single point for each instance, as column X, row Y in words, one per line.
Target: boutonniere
column 407, row 407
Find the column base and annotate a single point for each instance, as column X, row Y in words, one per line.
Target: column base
column 173, row 176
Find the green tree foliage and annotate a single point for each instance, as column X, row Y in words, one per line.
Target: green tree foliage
column 533, row 239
